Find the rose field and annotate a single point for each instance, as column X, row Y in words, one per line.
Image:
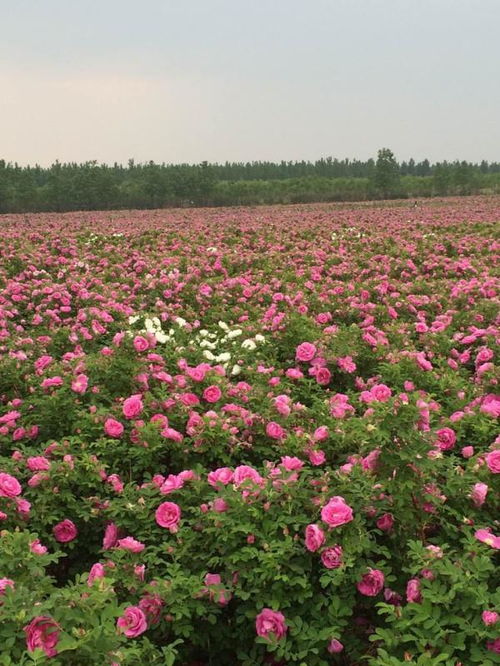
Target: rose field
column 234, row 437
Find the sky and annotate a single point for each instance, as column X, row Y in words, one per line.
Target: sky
column 241, row 80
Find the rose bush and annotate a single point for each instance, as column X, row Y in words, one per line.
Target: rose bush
column 282, row 449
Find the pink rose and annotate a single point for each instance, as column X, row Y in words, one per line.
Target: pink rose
column 168, row 515
column 4, row 583
column 212, row 394
column 113, row 428
column 42, row 632
column 381, row 392
column 485, row 536
column 385, row 522
column 9, row 486
column 132, row 406
column 335, row 646
column 37, row 548
column 133, row 622
column 130, row 544
column 222, row 475
column 492, row 460
column 315, row 538
column 96, row 572
column 274, row 430
column 65, row 531
column 305, row 352
column 489, row 617
column 323, row 376
column 270, row 622
column 332, row 557
column 336, row 512
column 478, row 494
column 371, row 583
column 110, row 536
column 413, row 591
column 245, row 473
column 446, row 439
column 80, row 384
column 140, row 343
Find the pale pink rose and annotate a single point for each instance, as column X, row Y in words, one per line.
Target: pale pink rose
column 315, row 538
column 222, row 475
column 80, row 384
column 130, row 544
column 168, row 515
column 151, row 605
column 332, row 557
column 492, row 460
column 65, row 531
column 270, row 624
column 133, row 622
column 132, row 406
column 42, row 632
column 468, row 451
column 9, row 485
column 478, row 494
column 335, row 646
column 371, row 583
column 212, row 394
column 413, row 591
column 305, row 352
column 113, row 428
column 336, row 512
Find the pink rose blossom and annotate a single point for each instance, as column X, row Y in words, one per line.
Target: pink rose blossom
column 315, row 537
column 168, row 515
column 270, row 624
column 336, row 512
column 133, row 622
column 65, row 531
column 371, row 583
column 42, row 632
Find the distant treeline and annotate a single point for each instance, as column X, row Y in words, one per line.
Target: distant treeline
column 93, row 186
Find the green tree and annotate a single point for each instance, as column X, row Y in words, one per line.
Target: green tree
column 386, row 177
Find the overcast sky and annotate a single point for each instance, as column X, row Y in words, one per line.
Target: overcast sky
column 238, row 80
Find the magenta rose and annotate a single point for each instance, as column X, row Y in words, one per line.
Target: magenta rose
column 332, row 557
column 336, row 512
column 305, row 352
column 4, row 583
column 315, row 538
column 222, row 475
column 269, row 623
column 385, row 522
column 113, row 428
column 42, row 632
column 212, row 394
column 493, row 461
column 371, row 583
column 9, row 485
column 96, row 572
column 65, row 531
column 133, row 622
column 168, row 515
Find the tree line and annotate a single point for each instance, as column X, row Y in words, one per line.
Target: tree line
column 93, row 186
